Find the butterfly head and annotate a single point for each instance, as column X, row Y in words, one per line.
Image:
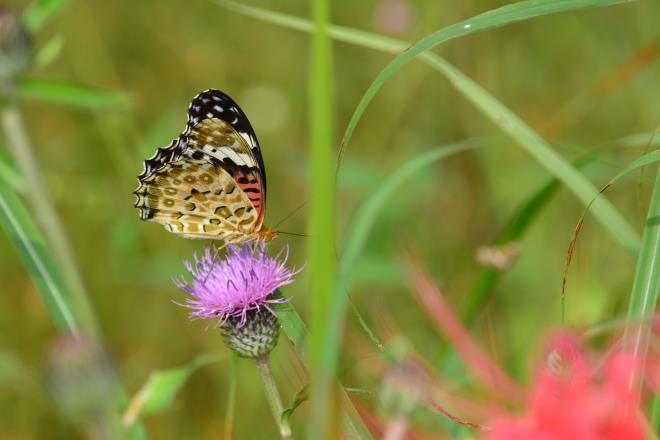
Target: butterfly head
column 266, row 234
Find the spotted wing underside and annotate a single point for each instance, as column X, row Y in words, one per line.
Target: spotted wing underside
column 210, row 182
column 198, row 200
column 213, row 104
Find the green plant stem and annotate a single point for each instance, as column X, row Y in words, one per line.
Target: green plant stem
column 272, row 395
column 44, row 211
column 231, row 397
column 322, row 423
column 646, row 287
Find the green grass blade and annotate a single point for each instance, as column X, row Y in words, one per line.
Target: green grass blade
column 504, row 118
column 10, row 174
column 370, row 210
column 295, row 330
column 322, row 421
column 158, row 392
column 39, row 12
column 48, row 52
column 646, row 284
column 539, row 149
column 358, row 233
column 72, row 95
column 503, row 16
column 655, row 413
column 292, row 324
column 38, row 260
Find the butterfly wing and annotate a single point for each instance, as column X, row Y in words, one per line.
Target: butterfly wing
column 218, row 142
column 214, row 104
column 210, row 182
column 197, row 199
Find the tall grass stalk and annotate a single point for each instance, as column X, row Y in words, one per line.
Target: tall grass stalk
column 38, row 261
column 322, row 225
column 646, row 287
column 44, row 212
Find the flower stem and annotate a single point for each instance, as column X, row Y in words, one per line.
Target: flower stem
column 272, row 395
column 231, row 397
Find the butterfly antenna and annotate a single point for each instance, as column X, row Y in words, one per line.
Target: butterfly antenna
column 293, row 233
column 288, row 216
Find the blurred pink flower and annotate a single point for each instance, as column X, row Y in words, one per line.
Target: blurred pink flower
column 572, row 401
column 394, row 17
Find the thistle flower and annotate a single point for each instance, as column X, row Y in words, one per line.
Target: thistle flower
column 237, row 291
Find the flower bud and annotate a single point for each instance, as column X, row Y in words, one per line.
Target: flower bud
column 253, row 335
column 15, row 47
column 79, row 379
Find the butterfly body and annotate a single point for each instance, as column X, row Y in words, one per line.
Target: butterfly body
column 210, row 182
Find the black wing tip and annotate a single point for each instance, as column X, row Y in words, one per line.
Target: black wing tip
column 209, row 94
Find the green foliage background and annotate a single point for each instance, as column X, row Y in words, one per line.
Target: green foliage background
column 586, row 81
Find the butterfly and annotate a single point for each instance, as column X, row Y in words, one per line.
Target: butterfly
column 210, row 182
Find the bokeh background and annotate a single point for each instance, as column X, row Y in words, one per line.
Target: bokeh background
column 587, row 81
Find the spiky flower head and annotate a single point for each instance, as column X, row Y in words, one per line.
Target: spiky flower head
column 237, row 290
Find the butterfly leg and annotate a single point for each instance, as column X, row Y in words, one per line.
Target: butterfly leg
column 215, row 259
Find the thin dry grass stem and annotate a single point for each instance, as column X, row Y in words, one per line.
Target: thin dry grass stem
column 570, row 113
column 445, row 319
column 639, row 61
column 452, row 417
column 578, row 228
column 567, row 263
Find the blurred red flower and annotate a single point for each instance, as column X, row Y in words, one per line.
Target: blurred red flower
column 572, row 400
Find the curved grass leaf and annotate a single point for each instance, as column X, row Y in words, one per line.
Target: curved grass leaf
column 648, row 140
column 161, row 387
column 47, row 276
column 510, row 123
column 359, row 231
column 10, row 174
column 39, row 12
column 644, row 160
column 295, row 330
column 37, row 259
column 48, row 53
column 555, row 164
column 72, row 95
column 368, row 213
column 301, row 396
column 292, row 324
column 503, row 16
